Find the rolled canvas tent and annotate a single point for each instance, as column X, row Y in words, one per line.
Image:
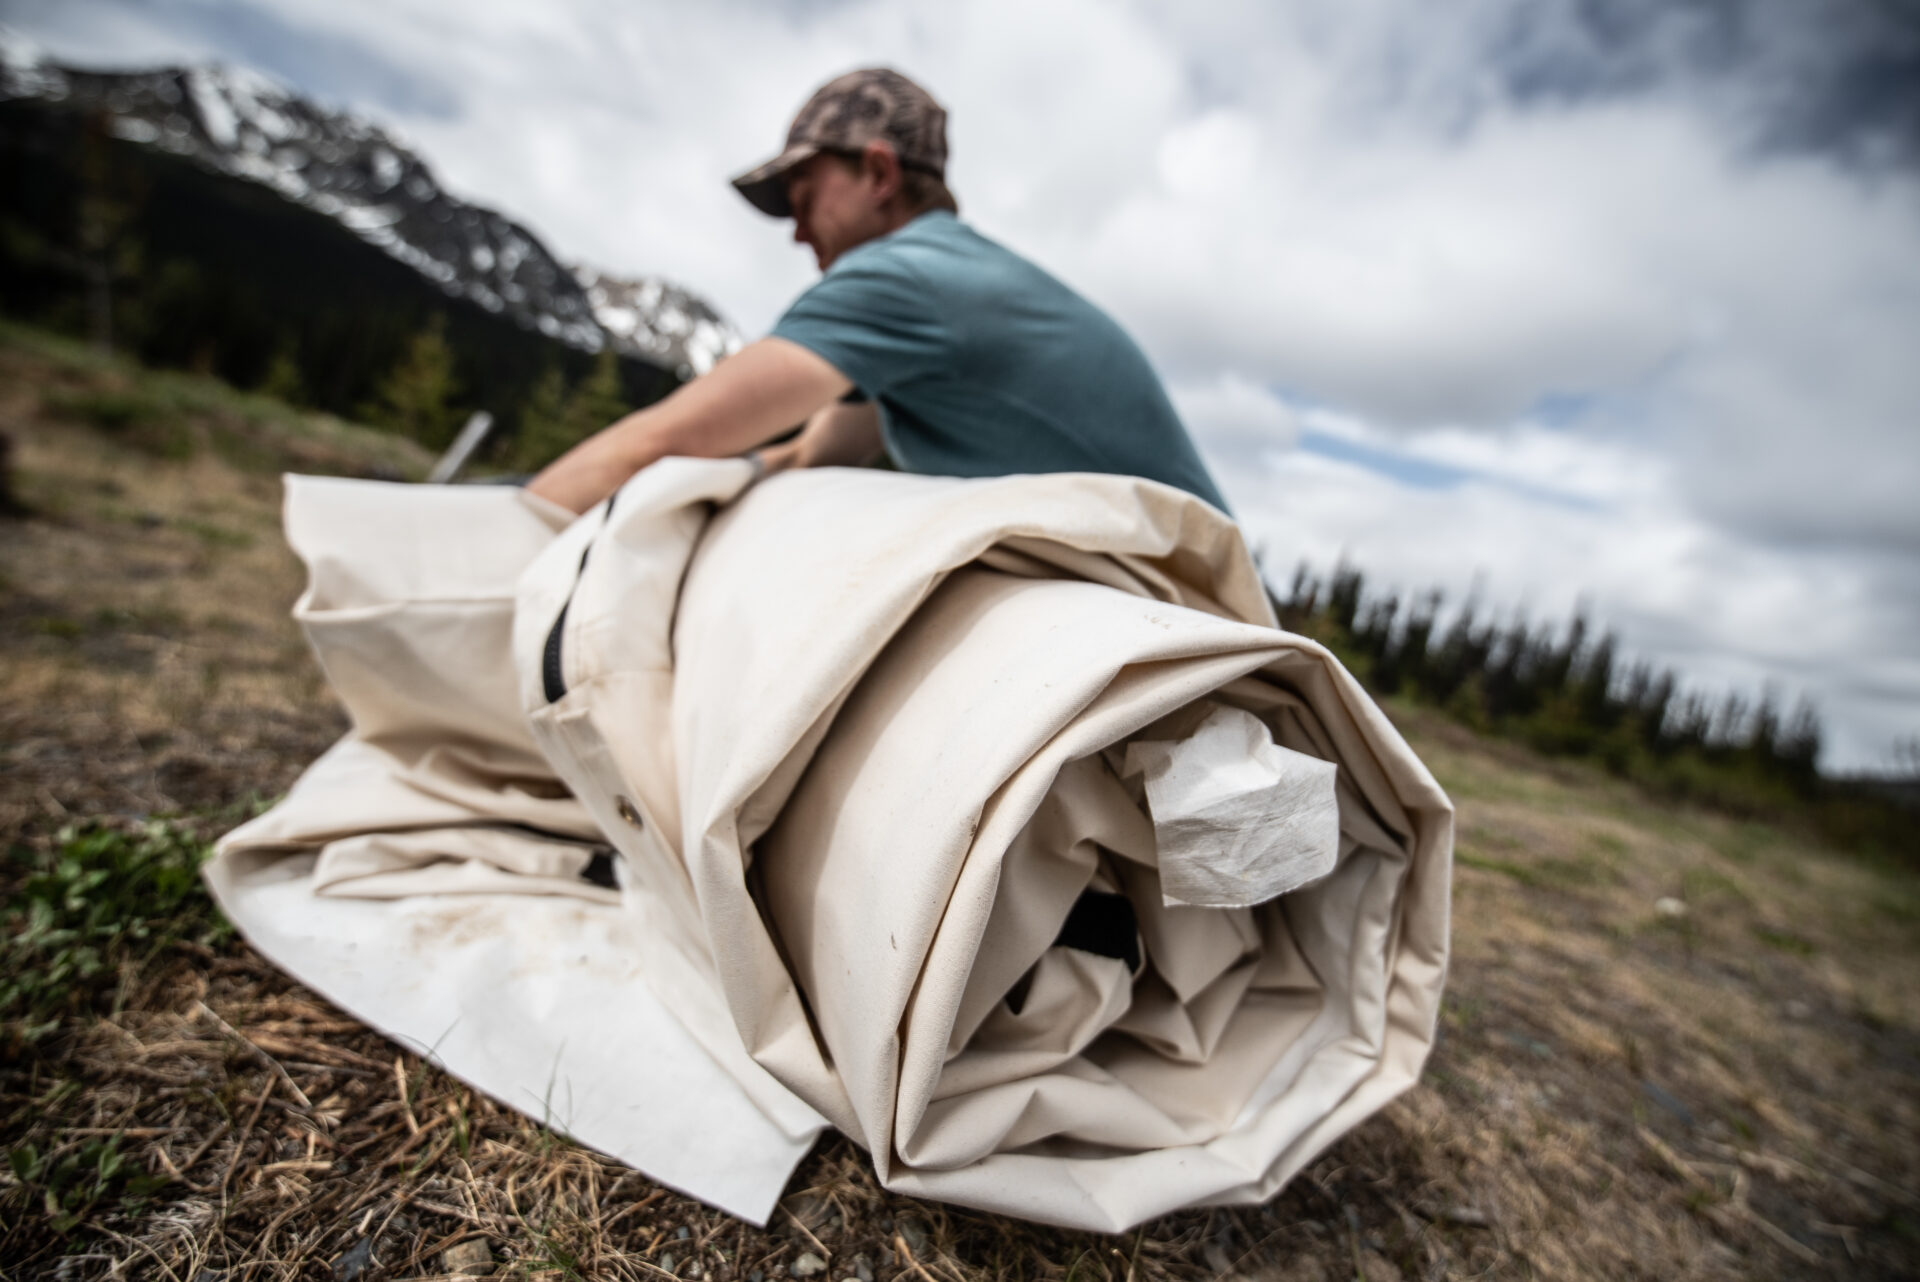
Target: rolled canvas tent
column 991, row 822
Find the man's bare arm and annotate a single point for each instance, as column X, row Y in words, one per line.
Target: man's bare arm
column 839, row 435
column 758, row 392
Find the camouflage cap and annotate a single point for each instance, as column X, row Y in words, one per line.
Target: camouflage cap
column 846, row 114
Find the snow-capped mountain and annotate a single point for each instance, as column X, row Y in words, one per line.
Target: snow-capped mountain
column 658, row 320
column 245, row 125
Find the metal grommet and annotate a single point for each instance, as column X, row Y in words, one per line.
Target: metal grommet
column 626, row 811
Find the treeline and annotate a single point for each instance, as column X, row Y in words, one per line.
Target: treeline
column 421, row 397
column 145, row 253
column 1566, row 690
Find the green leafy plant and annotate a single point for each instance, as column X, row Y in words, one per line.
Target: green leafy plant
column 72, row 1181
column 101, row 899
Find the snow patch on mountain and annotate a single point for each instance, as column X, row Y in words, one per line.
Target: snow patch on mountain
column 240, row 123
column 672, row 325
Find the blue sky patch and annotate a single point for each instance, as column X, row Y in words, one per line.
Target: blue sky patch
column 1419, row 473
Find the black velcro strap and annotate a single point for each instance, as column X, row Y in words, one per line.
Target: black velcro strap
column 1104, row 925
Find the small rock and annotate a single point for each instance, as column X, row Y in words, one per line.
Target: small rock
column 666, row 1262
column 807, row 1265
column 1668, row 906
column 756, row 1276
column 683, row 1233
column 354, row 1261
column 862, row 1269
column 472, row 1257
column 915, row 1233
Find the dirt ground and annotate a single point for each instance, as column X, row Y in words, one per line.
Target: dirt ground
column 1673, row 1044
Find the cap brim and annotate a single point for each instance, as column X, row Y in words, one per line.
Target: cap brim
column 766, row 187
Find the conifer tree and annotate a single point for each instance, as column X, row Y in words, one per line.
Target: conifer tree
column 600, row 398
column 552, row 420
column 417, row 396
column 282, row 380
column 106, row 209
column 1799, row 749
column 544, row 433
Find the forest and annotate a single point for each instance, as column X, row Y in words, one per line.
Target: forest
column 148, row 254
column 1566, row 690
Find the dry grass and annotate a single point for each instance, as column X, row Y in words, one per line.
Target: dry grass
column 1722, row 1090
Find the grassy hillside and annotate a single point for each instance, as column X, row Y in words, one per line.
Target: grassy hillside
column 1673, row 1045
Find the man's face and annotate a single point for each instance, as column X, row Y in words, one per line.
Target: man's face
column 836, row 206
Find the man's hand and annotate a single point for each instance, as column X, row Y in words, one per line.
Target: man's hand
column 757, row 393
column 838, row 435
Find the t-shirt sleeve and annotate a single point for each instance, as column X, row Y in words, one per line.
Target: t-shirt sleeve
column 874, row 319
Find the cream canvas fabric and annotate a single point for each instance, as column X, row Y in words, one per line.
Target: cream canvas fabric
column 873, row 751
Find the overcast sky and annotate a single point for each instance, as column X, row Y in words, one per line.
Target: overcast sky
column 1612, row 300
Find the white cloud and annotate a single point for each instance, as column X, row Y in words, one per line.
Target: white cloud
column 1681, row 592
column 1229, row 415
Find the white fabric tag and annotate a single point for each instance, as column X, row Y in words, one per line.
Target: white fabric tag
column 1238, row 819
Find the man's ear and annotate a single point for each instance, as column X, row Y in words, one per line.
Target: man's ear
column 882, row 167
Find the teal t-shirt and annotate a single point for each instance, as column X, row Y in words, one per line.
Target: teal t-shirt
column 984, row 365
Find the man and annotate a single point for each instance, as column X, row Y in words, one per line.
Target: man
column 922, row 338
